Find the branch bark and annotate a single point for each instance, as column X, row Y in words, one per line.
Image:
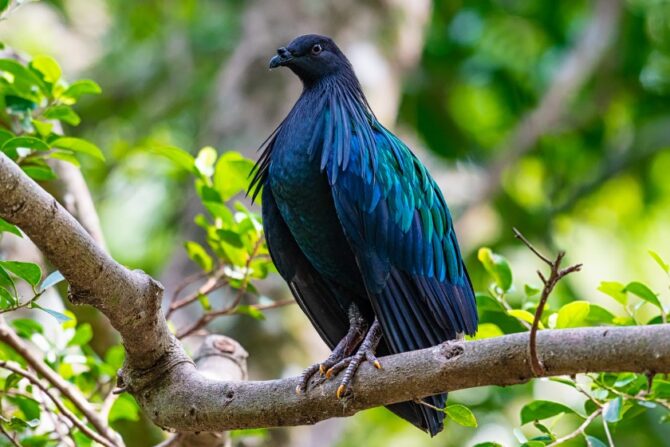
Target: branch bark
column 175, row 395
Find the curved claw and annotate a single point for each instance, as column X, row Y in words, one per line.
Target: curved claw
column 322, row 370
column 377, row 364
column 341, row 391
column 298, row 390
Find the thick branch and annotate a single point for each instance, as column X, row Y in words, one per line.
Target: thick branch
column 130, row 299
column 187, row 402
column 175, row 395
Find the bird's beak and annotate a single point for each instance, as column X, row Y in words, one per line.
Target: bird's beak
column 282, row 58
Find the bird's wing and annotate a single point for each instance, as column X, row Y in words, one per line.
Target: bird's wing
column 400, row 229
column 315, row 296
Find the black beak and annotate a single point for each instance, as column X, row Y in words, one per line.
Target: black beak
column 282, row 58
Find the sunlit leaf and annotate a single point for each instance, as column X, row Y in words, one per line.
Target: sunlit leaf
column 461, row 415
column 250, row 311
column 41, row 172
column 199, row 255
column 594, row 442
column 573, row 314
column 524, row 315
column 48, row 66
column 231, row 176
column 615, row 290
column 661, row 263
column 487, row 330
column 79, row 145
column 26, row 328
column 497, row 266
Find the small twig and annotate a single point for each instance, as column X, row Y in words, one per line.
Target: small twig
column 61, row 407
column 14, row 442
column 555, row 275
column 580, row 430
column 9, row 337
column 610, row 441
column 209, row 316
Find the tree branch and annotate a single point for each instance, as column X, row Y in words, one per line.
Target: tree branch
column 175, row 395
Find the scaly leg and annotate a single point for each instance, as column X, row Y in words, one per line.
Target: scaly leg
column 344, row 349
column 365, row 352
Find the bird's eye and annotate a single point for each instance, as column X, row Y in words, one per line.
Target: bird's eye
column 316, row 49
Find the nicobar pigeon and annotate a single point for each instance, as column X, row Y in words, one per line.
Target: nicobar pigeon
column 358, row 228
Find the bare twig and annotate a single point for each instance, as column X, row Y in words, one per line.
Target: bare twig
column 555, row 275
column 9, row 337
column 61, row 407
column 14, row 442
column 581, row 430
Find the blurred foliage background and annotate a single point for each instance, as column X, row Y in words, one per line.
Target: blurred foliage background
column 552, row 117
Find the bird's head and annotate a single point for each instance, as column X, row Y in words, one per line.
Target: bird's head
column 311, row 57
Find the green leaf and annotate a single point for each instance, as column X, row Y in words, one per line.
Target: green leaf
column 231, row 176
column 612, row 412
column 497, row 266
column 9, row 228
column 530, row 290
column 250, row 311
column 6, row 281
column 26, row 328
column 29, row 272
column 461, row 415
column 30, row 408
column 573, row 314
column 41, row 173
column 524, row 315
column 488, row 444
column 78, row 145
column 82, row 87
column 543, row 409
column 615, row 290
column 487, row 302
column 42, row 128
column 205, row 160
column 60, row 317
column 204, row 302
column 51, row 280
column 31, row 143
column 199, row 255
column 24, row 79
column 598, row 314
column 124, row 407
column 644, row 292
column 594, row 442
column 178, row 156
column 82, row 335
column 6, row 299
column 48, row 66
column 115, row 356
column 230, row 238
column 661, row 263
column 62, row 113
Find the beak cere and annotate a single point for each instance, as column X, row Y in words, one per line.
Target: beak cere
column 282, row 58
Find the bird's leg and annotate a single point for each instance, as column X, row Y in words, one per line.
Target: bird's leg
column 365, row 352
column 357, row 328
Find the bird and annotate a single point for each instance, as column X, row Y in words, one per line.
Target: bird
column 358, row 228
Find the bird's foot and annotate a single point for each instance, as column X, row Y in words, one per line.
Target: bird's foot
column 343, row 350
column 351, row 364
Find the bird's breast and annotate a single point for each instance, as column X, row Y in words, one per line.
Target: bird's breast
column 305, row 202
